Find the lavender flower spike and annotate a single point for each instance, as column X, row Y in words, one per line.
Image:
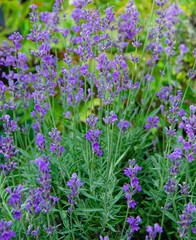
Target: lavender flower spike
column 123, row 125
column 15, row 201
column 186, row 219
column 152, row 233
column 74, row 184
column 152, row 122
column 93, row 134
column 133, row 225
column 103, row 238
column 5, row 232
column 133, row 187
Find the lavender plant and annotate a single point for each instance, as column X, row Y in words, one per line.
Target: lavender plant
column 98, row 87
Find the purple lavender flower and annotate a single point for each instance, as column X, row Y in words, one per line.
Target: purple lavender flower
column 186, row 219
column 5, row 232
column 153, row 232
column 166, row 207
column 123, row 125
column 92, row 120
column 16, row 38
column 110, row 119
column 49, row 230
column 183, row 49
column 170, row 185
column 9, row 126
column 35, row 233
column 133, row 187
column 128, row 25
column 103, row 238
column 152, row 122
column 44, row 179
column 189, row 125
column 194, row 229
column 174, row 110
column 74, row 184
column 55, row 147
column 160, row 3
column 29, row 230
column 133, row 225
column 6, row 147
column 39, row 140
column 34, row 201
column 93, row 134
column 164, row 93
column 177, row 154
column 15, row 201
column 33, row 15
column 170, row 132
column 184, row 189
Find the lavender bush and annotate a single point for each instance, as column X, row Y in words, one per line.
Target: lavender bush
column 97, row 141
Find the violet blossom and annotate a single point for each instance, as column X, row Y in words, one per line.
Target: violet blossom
column 186, row 219
column 133, row 187
column 15, row 201
column 93, row 135
column 74, row 184
column 153, row 232
column 133, row 225
column 55, row 147
column 123, row 125
column 152, row 123
column 5, row 232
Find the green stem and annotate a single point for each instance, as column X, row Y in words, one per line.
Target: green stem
column 125, row 221
column 163, row 216
column 71, row 225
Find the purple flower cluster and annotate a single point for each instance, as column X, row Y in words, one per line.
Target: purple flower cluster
column 152, row 122
column 34, row 201
column 184, row 189
column 133, row 225
column 179, row 61
column 55, row 147
column 40, row 198
column 15, row 201
column 5, row 232
column 186, row 219
column 6, row 144
column 44, row 179
column 103, row 238
column 74, row 184
column 133, row 187
column 165, row 93
column 93, row 134
column 96, row 66
column 128, row 26
column 123, row 125
column 175, row 156
column 189, row 126
column 153, row 232
column 40, row 142
column 111, row 118
column 170, row 186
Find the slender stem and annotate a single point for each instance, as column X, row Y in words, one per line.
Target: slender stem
column 48, row 219
column 174, row 204
column 71, row 225
column 163, row 215
column 125, row 221
column 19, row 230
